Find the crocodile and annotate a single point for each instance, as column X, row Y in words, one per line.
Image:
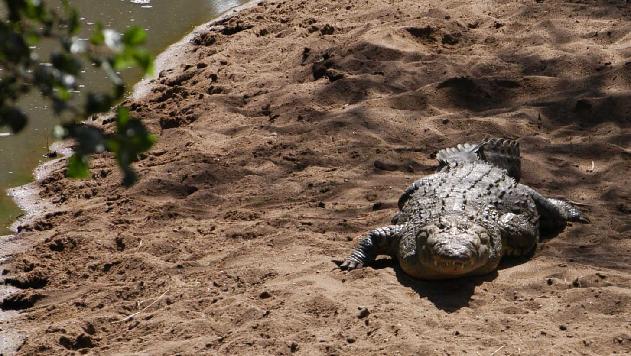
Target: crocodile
column 463, row 219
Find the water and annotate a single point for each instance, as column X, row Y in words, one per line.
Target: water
column 166, row 21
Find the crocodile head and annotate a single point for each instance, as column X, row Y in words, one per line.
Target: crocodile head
column 454, row 246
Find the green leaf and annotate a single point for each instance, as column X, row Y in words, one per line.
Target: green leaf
column 144, row 61
column 78, row 166
column 59, row 106
column 97, row 102
column 73, row 18
column 90, row 139
column 26, row 23
column 112, row 144
column 129, row 176
column 122, row 117
column 31, row 38
column 123, row 60
column 119, row 90
column 62, row 93
column 15, row 9
column 44, row 79
column 13, row 46
column 135, row 36
column 35, row 10
column 65, row 62
column 140, row 139
column 97, row 38
column 14, row 118
column 131, row 139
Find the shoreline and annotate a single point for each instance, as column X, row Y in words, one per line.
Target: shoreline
column 174, row 52
column 27, row 196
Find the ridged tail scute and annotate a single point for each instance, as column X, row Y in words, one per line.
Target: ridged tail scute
column 502, row 153
column 452, row 156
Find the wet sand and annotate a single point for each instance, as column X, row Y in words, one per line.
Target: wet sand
column 291, row 129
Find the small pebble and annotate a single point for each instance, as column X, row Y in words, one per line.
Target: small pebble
column 563, row 327
column 293, row 346
column 363, row 312
column 265, row 294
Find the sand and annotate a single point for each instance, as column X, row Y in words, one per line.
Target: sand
column 288, row 131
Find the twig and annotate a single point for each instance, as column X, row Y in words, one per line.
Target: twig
column 145, row 308
column 496, row 351
column 577, row 203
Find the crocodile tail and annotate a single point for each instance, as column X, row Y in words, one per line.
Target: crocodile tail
column 452, row 156
column 502, row 153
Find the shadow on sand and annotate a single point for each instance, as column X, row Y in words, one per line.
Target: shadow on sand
column 448, row 295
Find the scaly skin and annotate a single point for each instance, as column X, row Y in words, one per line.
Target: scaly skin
column 461, row 221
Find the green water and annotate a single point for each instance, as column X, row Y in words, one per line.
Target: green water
column 166, row 21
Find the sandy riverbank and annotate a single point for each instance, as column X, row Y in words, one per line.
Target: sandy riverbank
column 35, row 207
column 293, row 127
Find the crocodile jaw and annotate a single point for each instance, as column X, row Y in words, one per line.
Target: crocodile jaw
column 453, row 268
column 453, row 250
column 459, row 262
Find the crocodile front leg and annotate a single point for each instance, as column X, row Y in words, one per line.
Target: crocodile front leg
column 377, row 242
column 520, row 234
column 554, row 213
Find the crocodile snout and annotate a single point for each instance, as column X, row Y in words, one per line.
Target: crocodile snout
column 453, row 252
column 453, row 256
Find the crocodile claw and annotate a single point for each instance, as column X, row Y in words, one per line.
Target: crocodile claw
column 351, row 264
column 569, row 211
column 583, row 219
column 574, row 214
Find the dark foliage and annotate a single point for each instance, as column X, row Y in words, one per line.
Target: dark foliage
column 30, row 21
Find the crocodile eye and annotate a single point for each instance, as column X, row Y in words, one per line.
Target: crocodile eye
column 484, row 237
